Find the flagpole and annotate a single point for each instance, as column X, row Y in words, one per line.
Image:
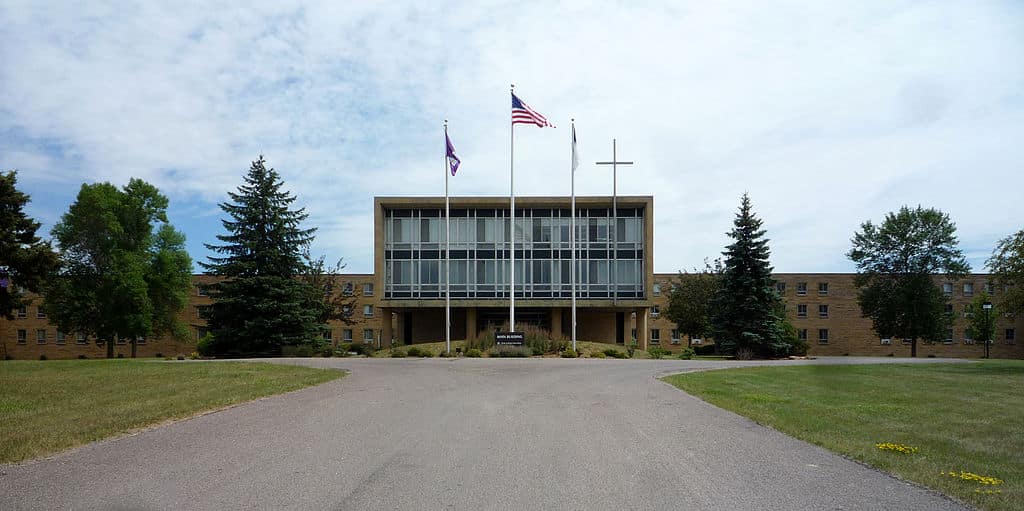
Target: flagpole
column 572, row 231
column 512, row 223
column 447, row 256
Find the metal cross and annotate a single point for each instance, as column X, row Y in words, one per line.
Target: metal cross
column 615, row 217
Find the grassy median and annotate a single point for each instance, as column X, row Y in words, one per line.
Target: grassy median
column 50, row 406
column 959, row 417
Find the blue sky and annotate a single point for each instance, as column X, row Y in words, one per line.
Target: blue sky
column 827, row 114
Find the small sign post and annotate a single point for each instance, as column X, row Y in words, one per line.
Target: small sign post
column 509, row 338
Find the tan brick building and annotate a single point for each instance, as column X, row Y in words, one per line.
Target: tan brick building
column 619, row 297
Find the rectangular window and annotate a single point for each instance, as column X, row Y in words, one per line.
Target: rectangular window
column 367, row 335
column 368, row 289
column 947, row 289
column 675, row 336
column 823, row 311
column 968, row 289
column 141, row 339
column 968, row 336
column 368, row 311
column 949, row 337
column 201, row 291
column 40, row 336
column 780, row 287
column 886, row 340
column 121, row 340
column 657, row 289
column 61, row 338
column 22, row 336
column 802, row 334
column 801, row 288
column 346, row 335
column 1010, row 335
column 326, row 334
column 23, row 312
column 346, row 310
column 822, row 288
column 822, row 336
column 989, row 288
column 949, row 309
column 347, row 289
column 655, row 311
column 655, row 336
column 801, row 311
column 79, row 338
column 39, row 313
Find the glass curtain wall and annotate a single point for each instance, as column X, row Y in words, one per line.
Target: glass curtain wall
column 414, row 253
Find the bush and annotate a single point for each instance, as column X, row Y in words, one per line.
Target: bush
column 180, row 357
column 704, row 350
column 686, row 354
column 509, row 352
column 416, row 351
column 42, row 357
column 658, row 352
column 569, row 353
column 599, row 354
column 398, row 353
column 744, row 353
column 443, row 354
column 473, row 353
column 327, row 352
column 193, row 356
column 614, row 353
column 301, row 350
column 361, row 348
column 482, row 343
column 205, row 345
column 120, row 355
column 159, row 355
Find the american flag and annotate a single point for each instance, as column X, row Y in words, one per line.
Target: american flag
column 523, row 114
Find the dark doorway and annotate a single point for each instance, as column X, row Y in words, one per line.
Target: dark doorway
column 407, row 328
column 620, row 327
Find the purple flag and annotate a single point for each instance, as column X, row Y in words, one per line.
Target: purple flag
column 453, row 161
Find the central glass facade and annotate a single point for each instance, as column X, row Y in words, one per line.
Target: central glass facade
column 414, row 243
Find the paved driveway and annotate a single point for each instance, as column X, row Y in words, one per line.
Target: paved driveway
column 466, row 434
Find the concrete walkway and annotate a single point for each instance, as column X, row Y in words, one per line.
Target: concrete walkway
column 467, row 434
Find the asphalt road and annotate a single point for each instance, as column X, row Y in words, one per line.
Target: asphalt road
column 466, row 434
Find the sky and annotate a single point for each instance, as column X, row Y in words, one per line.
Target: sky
column 827, row 113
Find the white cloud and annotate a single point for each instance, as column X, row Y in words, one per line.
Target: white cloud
column 827, row 115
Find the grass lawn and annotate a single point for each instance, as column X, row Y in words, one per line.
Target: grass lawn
column 966, row 417
column 50, row 406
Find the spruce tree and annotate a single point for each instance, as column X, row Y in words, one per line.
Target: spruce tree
column 260, row 304
column 25, row 259
column 746, row 310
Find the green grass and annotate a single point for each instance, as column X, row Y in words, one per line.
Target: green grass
column 47, row 407
column 961, row 416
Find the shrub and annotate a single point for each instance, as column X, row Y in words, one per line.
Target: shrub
column 180, row 356
column 443, row 354
column 398, row 353
column 614, row 353
column 159, row 355
column 483, row 342
column 416, row 351
column 658, row 352
column 509, row 352
column 686, row 354
column 42, row 357
column 300, row 350
column 473, row 353
column 120, row 355
column 704, row 350
column 205, row 345
column 9, row 357
column 744, row 353
column 569, row 353
column 327, row 352
column 193, row 356
column 599, row 354
column 361, row 348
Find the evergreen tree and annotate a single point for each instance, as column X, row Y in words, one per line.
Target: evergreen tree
column 261, row 304
column 746, row 317
column 895, row 264
column 25, row 260
column 119, row 278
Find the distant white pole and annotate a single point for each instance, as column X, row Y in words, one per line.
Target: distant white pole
column 447, row 258
column 512, row 224
column 572, row 231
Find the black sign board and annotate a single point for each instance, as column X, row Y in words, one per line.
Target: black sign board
column 509, row 338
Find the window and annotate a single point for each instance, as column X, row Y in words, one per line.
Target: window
column 346, row 310
column 79, row 338
column 22, row 336
column 657, row 289
column 801, row 311
column 368, row 311
column 947, row 289
column 989, row 288
column 802, row 334
column 40, row 336
column 968, row 289
column 23, row 312
column 368, row 289
column 1010, row 336
column 949, row 337
column 886, row 340
column 201, row 291
column 367, row 335
column 822, row 336
column 121, row 340
column 780, row 287
column 968, row 336
column 968, row 310
column 346, row 335
column 326, row 334
column 61, row 338
column 655, row 336
column 822, row 288
column 823, row 311
column 655, row 311
column 675, row 336
column 801, row 288
column 39, row 313
column 347, row 289
column 949, row 309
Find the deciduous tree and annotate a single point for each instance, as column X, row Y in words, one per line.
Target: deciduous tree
column 896, row 262
column 125, row 271
column 689, row 301
column 1007, row 267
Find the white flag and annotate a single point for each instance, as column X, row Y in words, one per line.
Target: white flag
column 575, row 152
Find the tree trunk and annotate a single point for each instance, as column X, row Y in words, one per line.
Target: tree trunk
column 133, row 348
column 110, row 348
column 913, row 348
